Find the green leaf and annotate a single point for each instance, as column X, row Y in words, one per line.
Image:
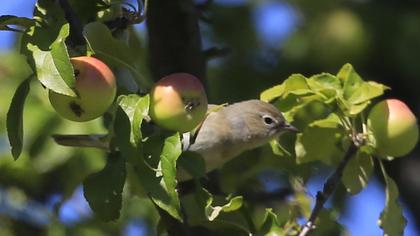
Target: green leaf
column 278, row 149
column 323, row 140
column 326, row 84
column 357, row 172
column 270, row 227
column 136, row 108
column 7, row 20
column 297, row 84
column 367, row 91
column 103, row 190
column 172, row 149
column 156, row 175
column 113, row 51
column 392, row 220
column 351, row 80
column 351, row 109
column 15, row 118
column 324, row 81
column 301, row 108
column 272, row 93
column 53, row 68
column 61, row 56
column 211, row 212
column 357, row 93
column 229, row 223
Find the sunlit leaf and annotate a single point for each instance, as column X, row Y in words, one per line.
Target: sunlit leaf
column 324, row 81
column 350, row 109
column 350, row 79
column 270, row 227
column 322, row 140
column 297, row 84
column 62, row 58
column 103, row 190
column 357, row 93
column 272, row 93
column 136, row 108
column 15, row 118
column 367, row 91
column 170, row 153
column 53, row 68
column 326, row 84
column 292, row 105
column 212, row 211
column 278, row 149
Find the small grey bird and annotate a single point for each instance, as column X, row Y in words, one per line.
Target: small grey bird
column 233, row 129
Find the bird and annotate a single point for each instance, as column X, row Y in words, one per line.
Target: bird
column 233, row 129
column 224, row 133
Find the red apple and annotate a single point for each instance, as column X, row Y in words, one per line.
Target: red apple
column 178, row 102
column 95, row 86
column 394, row 127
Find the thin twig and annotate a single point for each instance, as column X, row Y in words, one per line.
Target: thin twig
column 12, row 29
column 215, row 52
column 329, row 187
column 264, row 197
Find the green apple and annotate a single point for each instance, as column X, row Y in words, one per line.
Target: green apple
column 178, row 102
column 394, row 127
column 95, row 86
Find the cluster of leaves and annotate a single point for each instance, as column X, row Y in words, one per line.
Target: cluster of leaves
column 330, row 111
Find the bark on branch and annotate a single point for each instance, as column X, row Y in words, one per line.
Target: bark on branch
column 174, row 38
column 76, row 26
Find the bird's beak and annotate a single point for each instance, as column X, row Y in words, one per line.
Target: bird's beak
column 291, row 128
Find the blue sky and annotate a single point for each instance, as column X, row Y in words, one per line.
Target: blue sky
column 274, row 21
column 13, row 7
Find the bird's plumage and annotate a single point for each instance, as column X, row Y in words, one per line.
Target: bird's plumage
column 236, row 128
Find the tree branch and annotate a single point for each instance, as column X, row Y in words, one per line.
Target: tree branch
column 329, row 187
column 215, row 52
column 76, row 26
column 174, row 39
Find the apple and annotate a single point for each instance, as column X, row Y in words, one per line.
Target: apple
column 394, row 128
column 95, row 86
column 178, row 102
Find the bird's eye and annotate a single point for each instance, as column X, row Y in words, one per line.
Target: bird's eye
column 268, row 120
